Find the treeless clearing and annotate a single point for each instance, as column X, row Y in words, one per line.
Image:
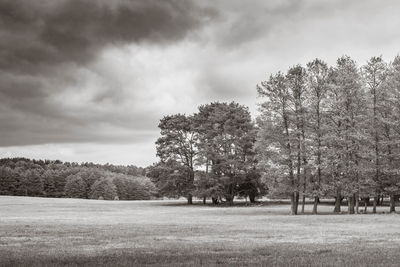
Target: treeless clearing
column 59, row 232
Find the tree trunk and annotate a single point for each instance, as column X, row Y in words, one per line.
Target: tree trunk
column 190, row 199
column 392, row 203
column 293, row 207
column 357, row 203
column 374, row 204
column 204, row 200
column 303, row 203
column 351, row 204
column 315, row 207
column 252, row 198
column 366, row 203
column 214, row 200
column 348, row 205
column 338, row 202
column 229, row 199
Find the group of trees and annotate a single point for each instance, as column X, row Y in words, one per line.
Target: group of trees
column 332, row 132
column 209, row 154
column 25, row 177
column 323, row 131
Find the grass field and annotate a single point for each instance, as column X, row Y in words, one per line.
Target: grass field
column 71, row 232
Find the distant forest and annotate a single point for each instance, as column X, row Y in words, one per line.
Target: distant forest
column 46, row 178
column 323, row 132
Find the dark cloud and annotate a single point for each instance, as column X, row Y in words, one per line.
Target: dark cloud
column 251, row 24
column 36, row 33
column 45, row 47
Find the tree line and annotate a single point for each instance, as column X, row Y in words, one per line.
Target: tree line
column 46, row 178
column 323, row 131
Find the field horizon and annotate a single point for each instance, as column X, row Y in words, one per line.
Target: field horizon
column 73, row 232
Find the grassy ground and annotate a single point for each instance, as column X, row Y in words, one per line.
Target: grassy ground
column 71, row 232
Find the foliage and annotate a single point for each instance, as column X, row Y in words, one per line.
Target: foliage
column 104, row 189
column 331, row 131
column 75, row 187
column 171, row 178
column 209, row 154
column 177, row 147
column 25, row 177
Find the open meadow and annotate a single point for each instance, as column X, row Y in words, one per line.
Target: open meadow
column 71, row 232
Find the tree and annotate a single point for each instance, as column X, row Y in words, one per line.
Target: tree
column 296, row 77
column 317, row 79
column 134, row 187
column 390, row 114
column 89, row 176
column 171, row 179
column 141, row 188
column 207, row 186
column 49, row 187
column 374, row 73
column 33, row 182
column 275, row 139
column 8, row 181
column 75, row 187
column 103, row 189
column 253, row 185
column 177, row 144
column 226, row 138
column 347, row 115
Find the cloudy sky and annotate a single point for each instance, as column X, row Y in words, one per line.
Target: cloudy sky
column 84, row 80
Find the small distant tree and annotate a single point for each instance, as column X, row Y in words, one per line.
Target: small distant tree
column 75, row 187
column 141, row 188
column 88, row 176
column 103, row 188
column 8, row 183
column 171, row 179
column 33, row 182
column 121, row 186
column 49, row 187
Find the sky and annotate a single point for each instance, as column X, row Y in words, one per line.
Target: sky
column 88, row 81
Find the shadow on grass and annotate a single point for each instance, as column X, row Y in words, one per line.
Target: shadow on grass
column 227, row 204
column 274, row 255
column 284, row 204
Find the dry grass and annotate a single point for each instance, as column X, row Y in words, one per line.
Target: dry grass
column 72, row 232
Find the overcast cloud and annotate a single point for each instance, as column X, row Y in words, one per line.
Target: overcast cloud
column 88, row 80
